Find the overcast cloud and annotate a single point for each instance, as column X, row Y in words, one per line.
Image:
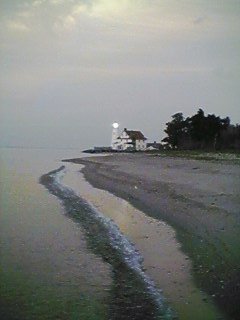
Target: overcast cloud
column 71, row 68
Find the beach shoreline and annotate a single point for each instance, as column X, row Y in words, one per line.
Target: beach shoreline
column 199, row 199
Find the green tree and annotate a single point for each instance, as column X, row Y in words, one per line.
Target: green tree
column 197, row 128
column 198, row 131
column 175, row 131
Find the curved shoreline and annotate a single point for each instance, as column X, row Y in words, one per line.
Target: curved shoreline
column 133, row 293
column 208, row 234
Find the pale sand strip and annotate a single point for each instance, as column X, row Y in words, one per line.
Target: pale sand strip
column 164, row 261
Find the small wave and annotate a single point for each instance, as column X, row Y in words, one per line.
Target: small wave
column 106, row 239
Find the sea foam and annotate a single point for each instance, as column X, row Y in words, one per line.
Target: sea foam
column 119, row 242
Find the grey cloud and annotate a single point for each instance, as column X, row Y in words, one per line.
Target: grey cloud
column 199, row 20
column 138, row 68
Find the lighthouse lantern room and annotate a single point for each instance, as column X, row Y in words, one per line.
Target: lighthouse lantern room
column 115, row 136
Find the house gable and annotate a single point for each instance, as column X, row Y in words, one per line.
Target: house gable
column 135, row 135
column 131, row 139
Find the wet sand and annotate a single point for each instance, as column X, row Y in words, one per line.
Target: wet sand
column 199, row 199
column 168, row 268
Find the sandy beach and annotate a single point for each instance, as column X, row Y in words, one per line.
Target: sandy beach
column 199, row 199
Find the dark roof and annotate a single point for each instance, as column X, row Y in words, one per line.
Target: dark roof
column 155, row 145
column 135, row 135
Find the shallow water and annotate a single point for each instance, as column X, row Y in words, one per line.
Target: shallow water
column 164, row 261
column 47, row 271
column 59, row 262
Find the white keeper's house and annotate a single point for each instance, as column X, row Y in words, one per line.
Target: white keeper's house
column 128, row 139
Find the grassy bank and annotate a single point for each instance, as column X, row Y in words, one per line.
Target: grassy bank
column 233, row 157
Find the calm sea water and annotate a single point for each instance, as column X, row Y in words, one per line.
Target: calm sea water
column 59, row 258
column 47, row 271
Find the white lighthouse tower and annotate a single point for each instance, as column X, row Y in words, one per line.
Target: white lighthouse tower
column 115, row 135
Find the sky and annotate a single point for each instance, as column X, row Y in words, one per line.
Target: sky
column 69, row 69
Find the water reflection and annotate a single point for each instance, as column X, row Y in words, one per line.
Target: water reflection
column 47, row 271
column 130, row 294
column 163, row 259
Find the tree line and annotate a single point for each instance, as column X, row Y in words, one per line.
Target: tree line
column 201, row 132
